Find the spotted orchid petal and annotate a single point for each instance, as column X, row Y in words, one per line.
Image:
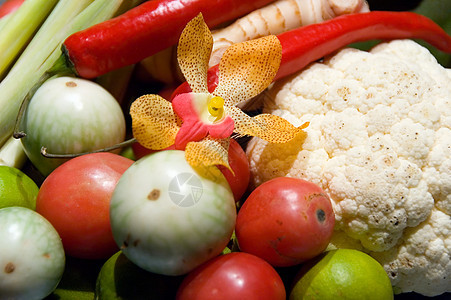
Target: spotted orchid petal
column 154, row 122
column 248, row 68
column 208, row 152
column 193, row 53
column 271, row 128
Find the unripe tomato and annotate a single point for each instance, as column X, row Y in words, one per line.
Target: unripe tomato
column 237, row 159
column 285, row 221
column 167, row 217
column 31, row 255
column 70, row 115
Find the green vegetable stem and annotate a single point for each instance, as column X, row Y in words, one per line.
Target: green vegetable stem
column 19, row 28
column 67, row 17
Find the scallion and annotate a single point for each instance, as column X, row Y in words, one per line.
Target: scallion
column 20, row 27
column 43, row 51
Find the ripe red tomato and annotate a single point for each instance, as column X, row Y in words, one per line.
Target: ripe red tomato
column 236, row 275
column 237, row 160
column 75, row 198
column 9, row 6
column 240, row 166
column 140, row 151
column 285, row 221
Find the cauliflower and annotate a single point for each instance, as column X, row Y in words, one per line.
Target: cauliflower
column 379, row 143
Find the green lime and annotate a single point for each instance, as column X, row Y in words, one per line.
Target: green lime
column 342, row 274
column 119, row 278
column 128, row 153
column 17, row 189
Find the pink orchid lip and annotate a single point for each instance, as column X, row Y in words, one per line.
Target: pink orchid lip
column 193, row 127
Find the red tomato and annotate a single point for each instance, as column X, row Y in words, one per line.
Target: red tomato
column 9, row 6
column 285, row 221
column 167, row 91
column 236, row 275
column 140, row 151
column 240, row 166
column 237, row 160
column 75, row 198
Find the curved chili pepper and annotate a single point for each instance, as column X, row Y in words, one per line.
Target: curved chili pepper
column 306, row 44
column 144, row 31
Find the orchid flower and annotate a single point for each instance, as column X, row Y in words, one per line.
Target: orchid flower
column 200, row 122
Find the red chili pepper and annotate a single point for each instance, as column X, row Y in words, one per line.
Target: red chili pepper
column 306, row 44
column 9, row 6
column 144, row 31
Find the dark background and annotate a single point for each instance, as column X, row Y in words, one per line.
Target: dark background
column 395, row 5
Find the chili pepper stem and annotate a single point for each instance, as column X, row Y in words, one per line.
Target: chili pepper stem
column 43, row 53
column 59, row 68
column 38, row 56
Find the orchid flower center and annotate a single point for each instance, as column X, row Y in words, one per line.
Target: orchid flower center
column 216, row 107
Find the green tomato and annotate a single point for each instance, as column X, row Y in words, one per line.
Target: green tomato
column 32, row 257
column 169, row 218
column 70, row 115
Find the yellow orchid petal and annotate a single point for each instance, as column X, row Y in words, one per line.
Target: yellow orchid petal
column 271, row 128
column 193, row 53
column 208, row 152
column 154, row 122
column 248, row 68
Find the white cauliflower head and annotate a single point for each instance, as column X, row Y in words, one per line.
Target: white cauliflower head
column 379, row 142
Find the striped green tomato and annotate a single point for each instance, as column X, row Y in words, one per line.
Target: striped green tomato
column 169, row 218
column 70, row 115
column 31, row 255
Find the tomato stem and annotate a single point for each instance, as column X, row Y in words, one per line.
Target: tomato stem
column 59, row 68
column 18, row 133
column 126, row 143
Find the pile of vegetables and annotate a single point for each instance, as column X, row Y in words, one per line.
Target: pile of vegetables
column 135, row 118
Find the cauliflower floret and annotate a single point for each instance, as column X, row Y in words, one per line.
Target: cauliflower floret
column 438, row 171
column 422, row 260
column 379, row 143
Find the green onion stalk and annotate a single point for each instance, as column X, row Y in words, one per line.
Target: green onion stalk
column 12, row 154
column 4, row 20
column 43, row 53
column 18, row 28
